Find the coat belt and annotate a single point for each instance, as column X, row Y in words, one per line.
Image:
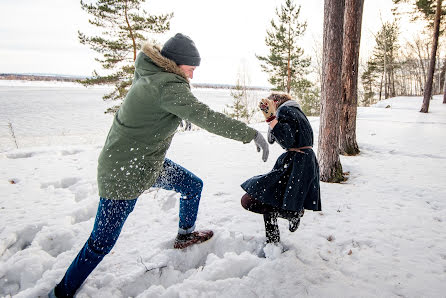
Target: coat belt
column 300, row 149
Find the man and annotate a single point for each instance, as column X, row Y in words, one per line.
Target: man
column 133, row 157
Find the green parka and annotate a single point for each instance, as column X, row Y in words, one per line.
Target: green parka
column 146, row 122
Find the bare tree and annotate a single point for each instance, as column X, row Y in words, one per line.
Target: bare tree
column 430, row 78
column 328, row 144
column 349, row 95
column 418, row 46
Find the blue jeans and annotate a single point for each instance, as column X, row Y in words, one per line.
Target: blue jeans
column 112, row 214
column 175, row 177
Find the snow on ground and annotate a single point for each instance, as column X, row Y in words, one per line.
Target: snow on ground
column 380, row 234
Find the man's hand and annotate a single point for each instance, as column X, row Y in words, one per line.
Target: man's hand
column 261, row 144
column 268, row 108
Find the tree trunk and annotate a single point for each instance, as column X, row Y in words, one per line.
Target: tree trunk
column 352, row 38
column 430, row 79
column 288, row 83
column 328, row 145
column 444, row 94
column 130, row 31
column 442, row 73
column 420, row 81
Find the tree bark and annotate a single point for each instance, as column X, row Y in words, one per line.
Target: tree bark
column 352, row 38
column 430, row 79
column 130, row 31
column 328, row 144
column 288, row 83
column 444, row 94
column 442, row 80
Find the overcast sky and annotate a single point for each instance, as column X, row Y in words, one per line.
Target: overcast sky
column 40, row 36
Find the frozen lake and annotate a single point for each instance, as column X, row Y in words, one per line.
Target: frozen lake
column 37, row 112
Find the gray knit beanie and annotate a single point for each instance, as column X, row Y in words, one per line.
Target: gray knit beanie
column 182, row 50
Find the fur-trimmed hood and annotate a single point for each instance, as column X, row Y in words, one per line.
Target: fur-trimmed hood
column 154, row 53
column 289, row 103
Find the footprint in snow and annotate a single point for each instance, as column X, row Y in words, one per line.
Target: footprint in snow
column 63, row 183
column 70, row 152
column 20, row 239
column 20, row 155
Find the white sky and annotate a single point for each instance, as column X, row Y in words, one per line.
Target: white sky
column 40, row 36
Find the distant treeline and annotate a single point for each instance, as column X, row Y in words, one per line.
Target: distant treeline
column 38, row 77
column 66, row 78
column 227, row 86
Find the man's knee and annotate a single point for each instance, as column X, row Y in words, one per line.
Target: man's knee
column 100, row 248
column 196, row 187
column 199, row 184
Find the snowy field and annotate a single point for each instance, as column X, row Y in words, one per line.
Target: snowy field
column 380, row 234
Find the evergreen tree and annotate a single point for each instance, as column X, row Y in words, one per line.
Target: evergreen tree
column 422, row 9
column 384, row 60
column 122, row 27
column 328, row 143
column 308, row 95
column 240, row 108
column 368, row 79
column 428, row 86
column 432, row 11
column 285, row 63
column 349, row 94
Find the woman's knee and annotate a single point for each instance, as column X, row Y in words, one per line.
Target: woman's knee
column 246, row 201
column 253, row 205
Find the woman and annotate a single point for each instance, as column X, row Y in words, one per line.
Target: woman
column 293, row 184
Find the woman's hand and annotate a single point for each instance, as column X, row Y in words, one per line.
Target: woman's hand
column 268, row 108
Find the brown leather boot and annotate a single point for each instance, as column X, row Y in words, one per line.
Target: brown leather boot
column 185, row 240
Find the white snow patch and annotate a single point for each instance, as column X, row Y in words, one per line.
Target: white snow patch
column 380, row 234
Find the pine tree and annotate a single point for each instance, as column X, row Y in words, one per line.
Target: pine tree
column 384, row 60
column 432, row 11
column 368, row 79
column 428, row 86
column 123, row 26
column 285, row 63
column 349, row 95
column 240, row 108
column 308, row 96
column 328, row 143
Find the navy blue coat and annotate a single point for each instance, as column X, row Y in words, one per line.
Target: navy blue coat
column 293, row 183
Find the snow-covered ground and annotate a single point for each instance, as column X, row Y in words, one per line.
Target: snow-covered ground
column 380, row 234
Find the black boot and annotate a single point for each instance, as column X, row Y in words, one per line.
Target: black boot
column 271, row 228
column 293, row 218
column 293, row 224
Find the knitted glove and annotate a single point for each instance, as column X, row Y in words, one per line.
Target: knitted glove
column 261, row 144
column 268, row 108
